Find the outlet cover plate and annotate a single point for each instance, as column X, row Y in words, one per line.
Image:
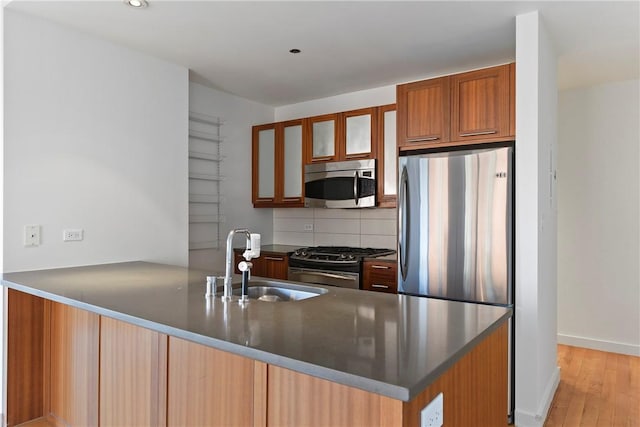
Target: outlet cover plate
column 432, row 414
column 75, row 235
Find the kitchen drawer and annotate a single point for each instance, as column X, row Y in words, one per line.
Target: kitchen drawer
column 272, row 265
column 380, row 276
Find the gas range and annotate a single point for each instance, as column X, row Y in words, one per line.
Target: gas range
column 331, row 265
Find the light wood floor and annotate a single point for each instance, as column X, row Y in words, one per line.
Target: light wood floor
column 596, row 389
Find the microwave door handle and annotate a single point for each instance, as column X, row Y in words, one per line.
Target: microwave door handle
column 403, row 214
column 355, row 187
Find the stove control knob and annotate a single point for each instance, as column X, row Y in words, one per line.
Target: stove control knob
column 297, row 252
column 351, row 257
column 343, row 256
column 303, row 253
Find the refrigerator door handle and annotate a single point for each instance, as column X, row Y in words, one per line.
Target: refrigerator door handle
column 403, row 215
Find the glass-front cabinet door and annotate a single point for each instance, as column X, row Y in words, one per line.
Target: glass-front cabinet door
column 387, row 156
column 323, row 134
column 292, row 159
column 264, row 164
column 277, row 161
column 359, row 134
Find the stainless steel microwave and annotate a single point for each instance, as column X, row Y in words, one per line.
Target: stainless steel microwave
column 350, row 184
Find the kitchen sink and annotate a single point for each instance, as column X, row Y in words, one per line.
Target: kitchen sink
column 276, row 291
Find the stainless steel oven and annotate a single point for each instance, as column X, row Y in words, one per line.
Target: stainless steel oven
column 342, row 279
column 331, row 265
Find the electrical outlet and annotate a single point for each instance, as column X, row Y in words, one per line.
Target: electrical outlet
column 72, row 235
column 31, row 235
column 308, row 227
column 432, row 414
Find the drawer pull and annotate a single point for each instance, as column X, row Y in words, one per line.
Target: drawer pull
column 375, row 285
column 381, row 267
column 273, row 258
column 488, row 132
column 430, row 138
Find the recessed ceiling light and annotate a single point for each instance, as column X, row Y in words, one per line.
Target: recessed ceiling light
column 138, row 4
column 294, row 51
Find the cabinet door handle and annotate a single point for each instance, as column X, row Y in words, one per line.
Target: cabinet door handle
column 381, row 267
column 375, row 285
column 430, row 138
column 487, row 132
column 273, row 258
column 358, row 156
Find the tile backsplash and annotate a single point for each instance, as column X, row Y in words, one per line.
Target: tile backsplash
column 373, row 228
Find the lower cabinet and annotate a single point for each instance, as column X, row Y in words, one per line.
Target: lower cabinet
column 209, row 387
column 69, row 367
column 380, row 276
column 274, row 265
column 73, row 365
column 133, row 375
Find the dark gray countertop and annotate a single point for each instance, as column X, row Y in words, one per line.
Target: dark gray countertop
column 393, row 345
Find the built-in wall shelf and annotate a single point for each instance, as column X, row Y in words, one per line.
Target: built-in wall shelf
column 205, row 177
column 204, row 156
column 205, row 142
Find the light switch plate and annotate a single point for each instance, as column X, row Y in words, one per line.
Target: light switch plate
column 32, row 235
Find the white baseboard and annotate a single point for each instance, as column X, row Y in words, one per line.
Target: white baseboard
column 527, row 419
column 594, row 344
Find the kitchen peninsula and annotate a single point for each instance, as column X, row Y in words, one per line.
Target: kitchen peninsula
column 139, row 344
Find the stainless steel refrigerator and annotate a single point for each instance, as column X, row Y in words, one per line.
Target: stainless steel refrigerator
column 455, row 229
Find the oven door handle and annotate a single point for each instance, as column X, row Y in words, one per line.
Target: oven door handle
column 355, row 187
column 333, row 276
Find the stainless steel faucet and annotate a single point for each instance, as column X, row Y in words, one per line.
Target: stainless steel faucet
column 229, row 260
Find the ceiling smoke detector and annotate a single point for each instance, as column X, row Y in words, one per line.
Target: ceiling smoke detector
column 137, row 4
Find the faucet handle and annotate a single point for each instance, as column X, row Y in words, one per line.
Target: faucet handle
column 244, row 266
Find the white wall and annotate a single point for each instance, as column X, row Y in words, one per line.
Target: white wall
column 238, row 115
column 95, row 138
column 598, row 217
column 537, row 374
column 334, row 104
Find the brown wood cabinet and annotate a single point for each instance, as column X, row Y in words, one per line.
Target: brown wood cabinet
column 387, row 155
column 209, row 387
column 466, row 108
column 133, row 375
column 349, row 135
column 24, row 357
column 480, row 104
column 147, row 378
column 277, row 164
column 274, row 265
column 423, row 112
column 72, row 344
column 474, row 394
column 380, row 276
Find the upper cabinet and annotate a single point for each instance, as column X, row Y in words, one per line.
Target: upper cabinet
column 387, row 156
column 480, row 104
column 423, row 112
column 465, row 108
column 342, row 136
column 277, row 153
column 359, row 139
column 323, row 138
